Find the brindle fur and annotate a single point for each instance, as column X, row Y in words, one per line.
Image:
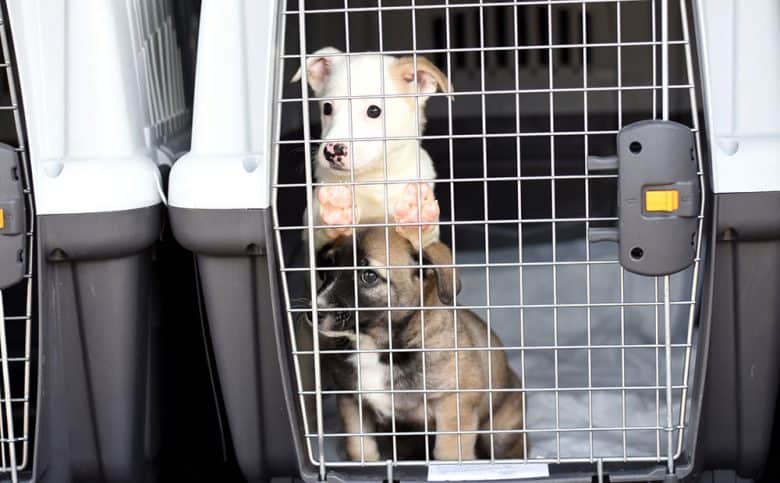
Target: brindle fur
column 439, row 285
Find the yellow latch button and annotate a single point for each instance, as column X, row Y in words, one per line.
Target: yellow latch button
column 662, row 200
column 2, row 219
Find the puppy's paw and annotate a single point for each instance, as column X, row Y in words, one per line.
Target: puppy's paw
column 416, row 205
column 336, row 209
column 370, row 450
column 449, row 452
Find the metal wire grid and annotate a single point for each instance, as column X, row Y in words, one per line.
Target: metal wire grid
column 159, row 59
column 16, row 328
column 660, row 299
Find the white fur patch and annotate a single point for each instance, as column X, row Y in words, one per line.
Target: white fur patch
column 339, row 333
column 323, row 292
column 374, row 377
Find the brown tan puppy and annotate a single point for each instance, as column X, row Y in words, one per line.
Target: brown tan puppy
column 376, row 286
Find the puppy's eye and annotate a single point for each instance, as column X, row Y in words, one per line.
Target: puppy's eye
column 368, row 277
column 327, row 108
column 373, row 111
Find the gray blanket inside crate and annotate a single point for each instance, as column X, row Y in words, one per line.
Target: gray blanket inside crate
column 606, row 408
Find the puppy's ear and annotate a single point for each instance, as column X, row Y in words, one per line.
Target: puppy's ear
column 318, row 68
column 326, row 256
column 428, row 77
column 447, row 279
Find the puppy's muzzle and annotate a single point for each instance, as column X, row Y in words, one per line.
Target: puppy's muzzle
column 335, row 321
column 335, row 154
column 341, row 319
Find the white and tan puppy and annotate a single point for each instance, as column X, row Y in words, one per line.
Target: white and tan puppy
column 354, row 132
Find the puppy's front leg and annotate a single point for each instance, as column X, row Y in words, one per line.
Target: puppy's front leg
column 447, row 420
column 350, row 415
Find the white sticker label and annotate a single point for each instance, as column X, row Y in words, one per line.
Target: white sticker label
column 486, row 471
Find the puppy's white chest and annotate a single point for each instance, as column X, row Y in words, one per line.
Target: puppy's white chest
column 374, row 377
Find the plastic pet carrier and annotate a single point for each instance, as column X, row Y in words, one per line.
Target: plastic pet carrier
column 606, row 178
column 93, row 107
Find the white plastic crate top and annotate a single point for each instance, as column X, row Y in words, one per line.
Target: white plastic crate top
column 83, row 106
column 228, row 165
column 740, row 56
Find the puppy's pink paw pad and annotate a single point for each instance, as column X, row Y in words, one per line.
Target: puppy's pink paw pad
column 339, row 196
column 336, row 216
column 431, row 211
column 336, row 209
column 417, row 205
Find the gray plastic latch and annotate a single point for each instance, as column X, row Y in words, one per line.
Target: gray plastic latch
column 603, row 234
column 658, row 197
column 12, row 213
column 13, row 216
column 602, row 163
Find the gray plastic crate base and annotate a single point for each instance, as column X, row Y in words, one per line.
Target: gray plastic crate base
column 240, row 295
column 95, row 273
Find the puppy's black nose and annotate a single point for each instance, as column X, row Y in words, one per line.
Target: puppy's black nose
column 334, row 153
column 338, row 321
column 342, row 318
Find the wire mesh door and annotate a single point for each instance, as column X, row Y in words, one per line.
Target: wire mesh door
column 160, row 68
column 16, row 302
column 601, row 356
